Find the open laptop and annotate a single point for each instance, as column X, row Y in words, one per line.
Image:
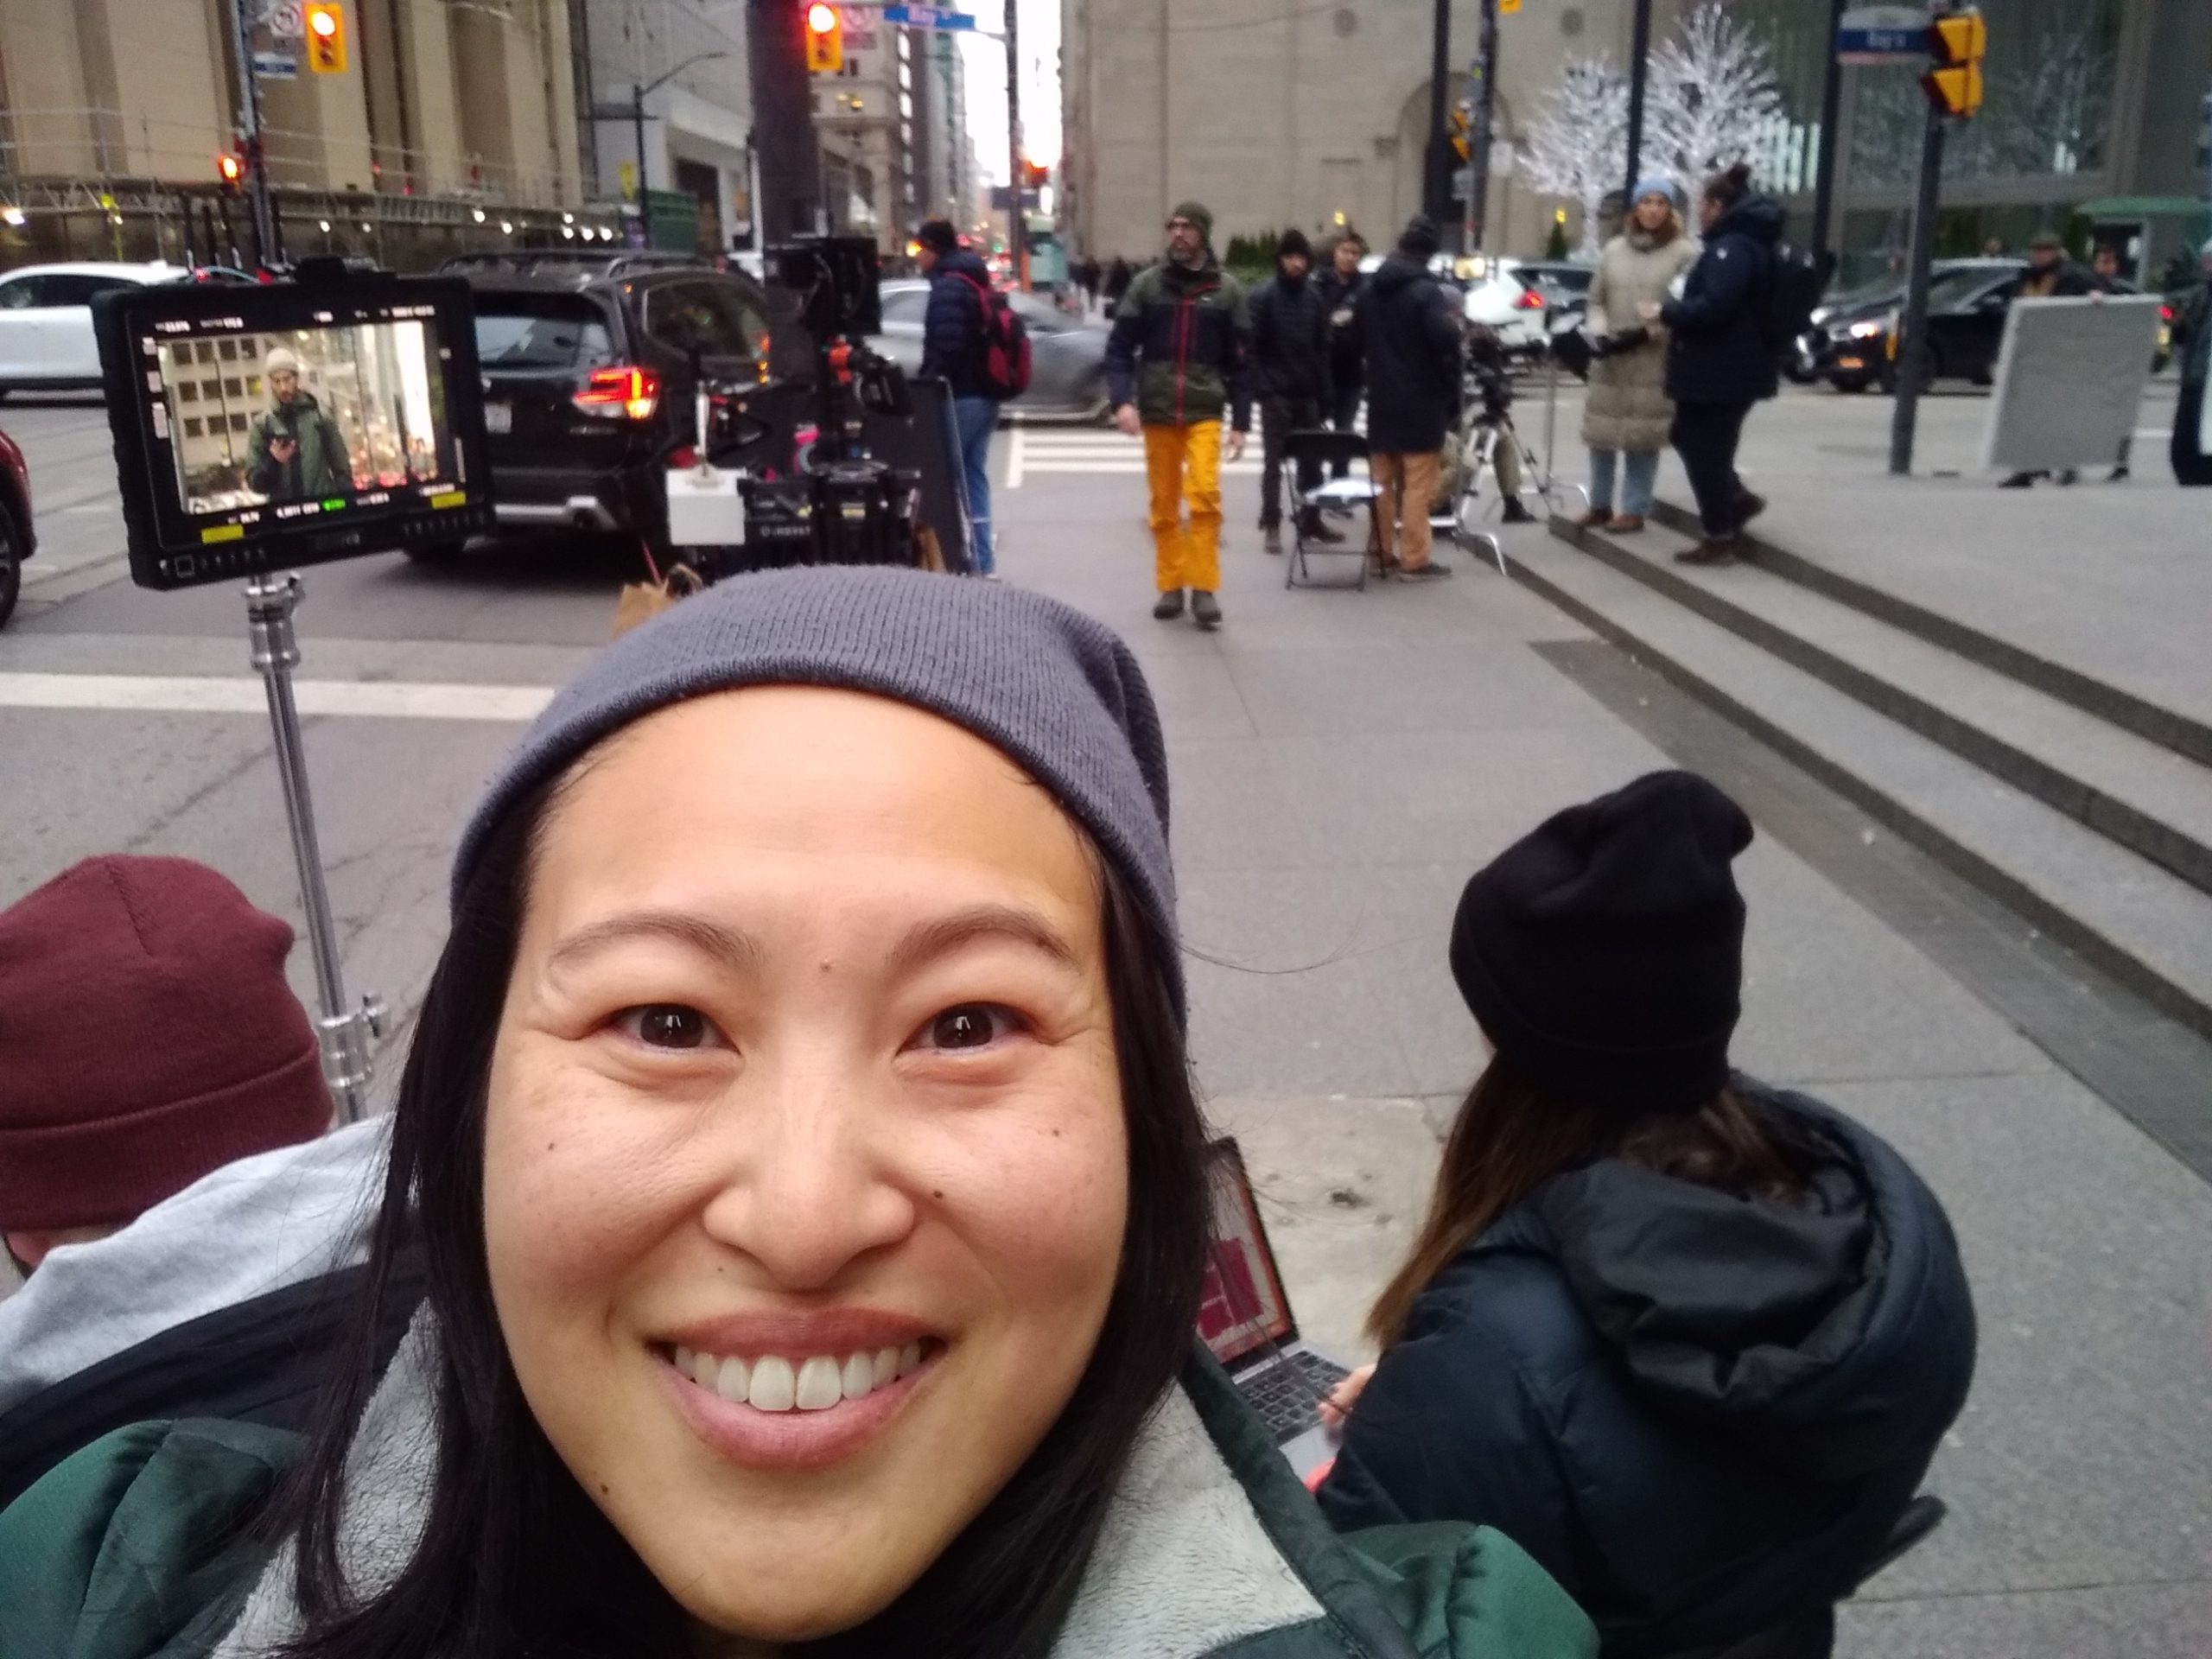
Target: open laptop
column 1244, row 1317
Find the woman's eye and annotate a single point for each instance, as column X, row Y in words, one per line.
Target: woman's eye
column 971, row 1025
column 666, row 1025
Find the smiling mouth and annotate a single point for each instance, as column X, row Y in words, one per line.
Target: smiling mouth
column 776, row 1384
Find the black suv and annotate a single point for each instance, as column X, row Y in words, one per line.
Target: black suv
column 587, row 388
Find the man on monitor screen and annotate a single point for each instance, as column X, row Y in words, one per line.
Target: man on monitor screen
column 295, row 453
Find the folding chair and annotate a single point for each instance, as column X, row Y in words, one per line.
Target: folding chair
column 1322, row 448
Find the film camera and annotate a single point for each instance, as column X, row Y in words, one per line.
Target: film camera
column 845, row 505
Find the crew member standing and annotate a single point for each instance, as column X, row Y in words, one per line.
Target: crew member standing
column 952, row 341
column 1341, row 284
column 1410, row 324
column 1175, row 363
column 1290, row 360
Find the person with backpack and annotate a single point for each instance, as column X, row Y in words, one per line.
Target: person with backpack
column 1723, row 348
column 971, row 341
column 1689, row 1340
column 1175, row 364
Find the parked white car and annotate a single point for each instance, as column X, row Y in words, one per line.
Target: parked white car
column 1495, row 295
column 46, row 322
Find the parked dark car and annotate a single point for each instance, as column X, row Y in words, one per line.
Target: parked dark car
column 1067, row 354
column 1966, row 308
column 588, row 386
column 18, row 540
column 1847, row 339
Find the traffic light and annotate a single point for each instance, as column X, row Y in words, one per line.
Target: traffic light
column 230, row 170
column 1955, row 45
column 1462, row 145
column 325, row 22
column 825, row 39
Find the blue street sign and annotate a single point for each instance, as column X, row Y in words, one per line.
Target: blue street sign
column 928, row 17
column 1881, row 34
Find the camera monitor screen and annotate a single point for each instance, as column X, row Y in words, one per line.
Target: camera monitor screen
column 259, row 429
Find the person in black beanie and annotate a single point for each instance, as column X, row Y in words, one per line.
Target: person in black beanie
column 1410, row 325
column 1290, row 358
column 1688, row 1340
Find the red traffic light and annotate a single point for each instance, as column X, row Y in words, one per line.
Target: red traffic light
column 821, row 18
column 231, row 167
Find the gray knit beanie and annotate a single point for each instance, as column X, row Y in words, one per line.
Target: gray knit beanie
column 1054, row 689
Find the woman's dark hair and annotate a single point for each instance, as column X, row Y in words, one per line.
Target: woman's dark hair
column 1513, row 1134
column 1729, row 186
column 514, row 1559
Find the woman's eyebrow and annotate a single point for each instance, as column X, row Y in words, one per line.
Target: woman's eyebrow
column 730, row 948
column 943, row 934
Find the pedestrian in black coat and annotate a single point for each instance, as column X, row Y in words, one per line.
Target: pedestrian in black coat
column 1690, row 1341
column 1290, row 362
column 1720, row 357
column 1411, row 327
column 1342, row 283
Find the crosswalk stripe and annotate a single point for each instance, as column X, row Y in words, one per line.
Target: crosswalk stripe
column 210, row 694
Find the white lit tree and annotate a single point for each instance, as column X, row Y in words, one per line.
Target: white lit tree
column 1577, row 143
column 1711, row 99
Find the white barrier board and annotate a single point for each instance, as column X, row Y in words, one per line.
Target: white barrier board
column 2069, row 381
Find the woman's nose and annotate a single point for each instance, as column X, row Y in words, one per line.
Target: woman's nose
column 812, row 1183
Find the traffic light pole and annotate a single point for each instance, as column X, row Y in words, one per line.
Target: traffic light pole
column 1479, row 139
column 1017, row 246
column 1639, row 53
column 785, row 149
column 256, row 164
column 1912, row 330
column 1831, row 112
column 1436, row 192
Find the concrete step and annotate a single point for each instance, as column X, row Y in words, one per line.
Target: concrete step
column 2143, row 795
column 2169, row 728
column 2140, row 923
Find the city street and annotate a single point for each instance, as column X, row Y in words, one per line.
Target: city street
column 1341, row 762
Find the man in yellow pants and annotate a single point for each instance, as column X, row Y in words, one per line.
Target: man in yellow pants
column 1176, row 362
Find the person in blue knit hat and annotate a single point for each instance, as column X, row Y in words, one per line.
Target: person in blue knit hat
column 1627, row 414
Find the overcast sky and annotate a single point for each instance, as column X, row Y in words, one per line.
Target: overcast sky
column 1041, row 83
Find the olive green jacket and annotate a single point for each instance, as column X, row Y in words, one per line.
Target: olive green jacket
column 1211, row 1549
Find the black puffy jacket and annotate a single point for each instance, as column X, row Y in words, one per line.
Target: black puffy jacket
column 1410, row 323
column 1290, row 338
column 1700, row 1413
column 1717, row 350
column 952, row 327
column 1347, row 352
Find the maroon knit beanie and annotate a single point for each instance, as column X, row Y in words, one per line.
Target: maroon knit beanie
column 147, row 1036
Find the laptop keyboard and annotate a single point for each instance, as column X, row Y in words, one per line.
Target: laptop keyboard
column 1288, row 1395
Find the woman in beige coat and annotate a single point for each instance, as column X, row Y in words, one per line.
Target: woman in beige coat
column 1626, row 415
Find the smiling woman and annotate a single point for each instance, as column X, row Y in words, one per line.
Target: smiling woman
column 800, row 1138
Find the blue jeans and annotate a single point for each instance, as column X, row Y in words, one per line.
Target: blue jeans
column 976, row 419
column 1640, row 476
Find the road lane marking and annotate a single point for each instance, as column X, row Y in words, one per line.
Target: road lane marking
column 211, row 695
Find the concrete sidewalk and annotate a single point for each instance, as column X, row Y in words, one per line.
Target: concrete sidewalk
column 1342, row 762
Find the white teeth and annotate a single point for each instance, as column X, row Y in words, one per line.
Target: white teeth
column 819, row 1388
column 816, row 1383
column 858, row 1378
column 773, row 1389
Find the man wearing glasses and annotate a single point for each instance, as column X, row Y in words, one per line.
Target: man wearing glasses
column 1176, row 360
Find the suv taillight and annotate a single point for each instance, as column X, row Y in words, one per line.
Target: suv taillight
column 1531, row 300
column 620, row 394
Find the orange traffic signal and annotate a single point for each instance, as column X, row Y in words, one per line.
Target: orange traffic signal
column 325, row 22
column 229, row 170
column 825, row 39
column 1956, row 43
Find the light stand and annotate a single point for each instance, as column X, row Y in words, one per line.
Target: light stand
column 344, row 1032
